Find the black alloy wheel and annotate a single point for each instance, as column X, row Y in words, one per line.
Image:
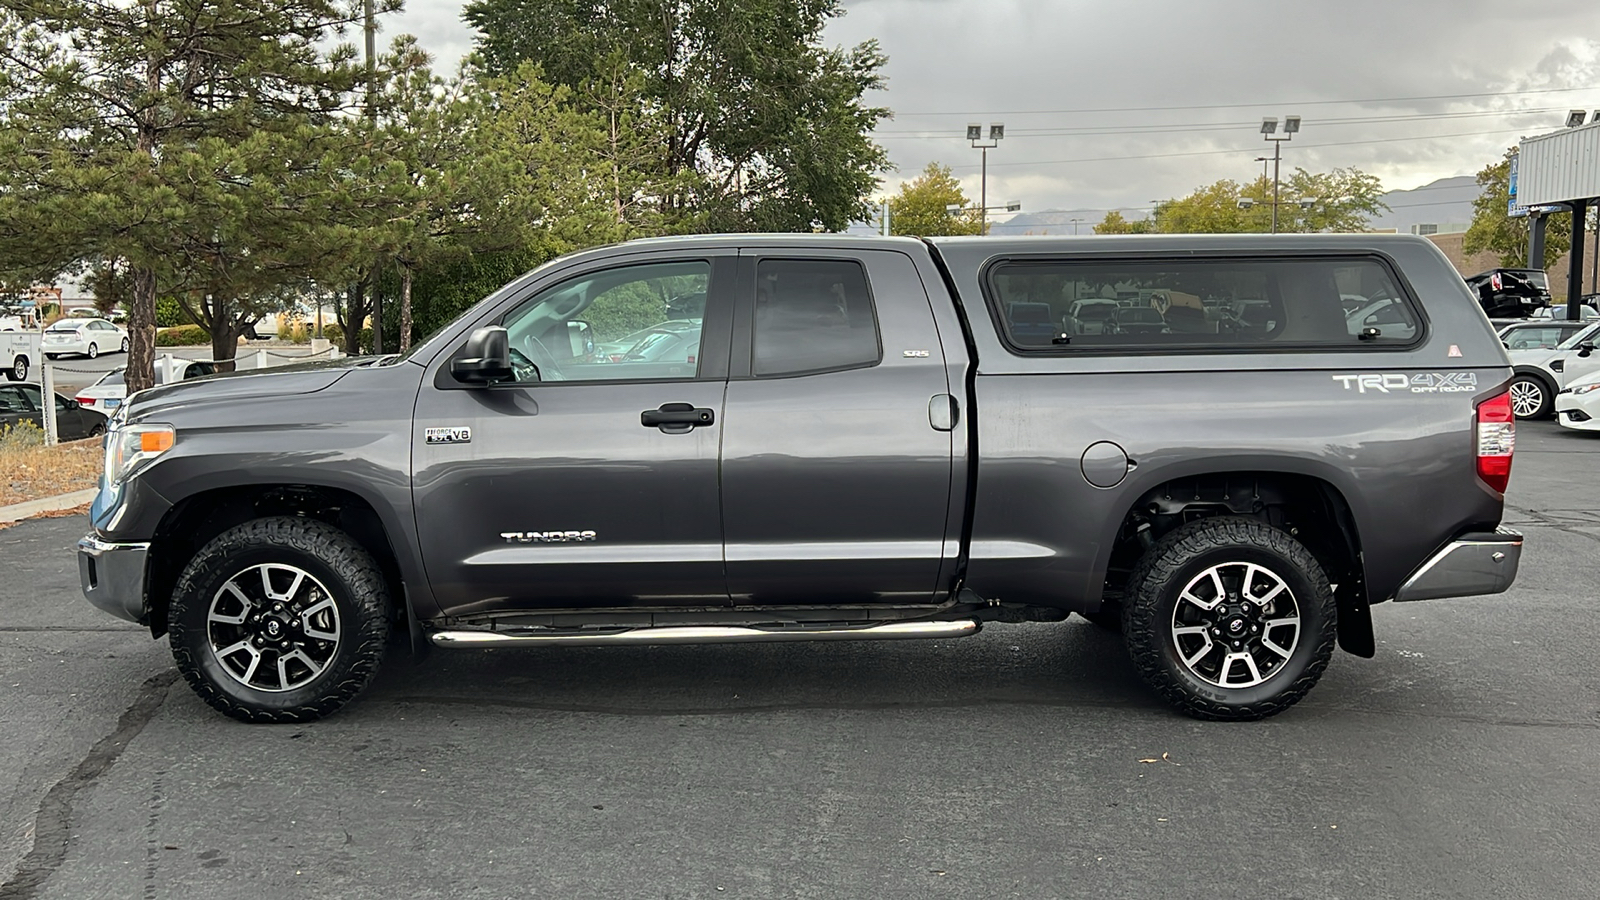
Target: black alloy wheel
column 280, row 620
column 1229, row 618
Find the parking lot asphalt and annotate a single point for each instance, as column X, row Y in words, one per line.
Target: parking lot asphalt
column 75, row 372
column 1028, row 761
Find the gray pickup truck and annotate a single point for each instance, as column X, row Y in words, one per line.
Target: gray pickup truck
column 820, row 437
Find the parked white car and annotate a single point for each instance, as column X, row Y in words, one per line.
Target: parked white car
column 1578, row 404
column 86, row 337
column 105, row 395
column 1540, row 374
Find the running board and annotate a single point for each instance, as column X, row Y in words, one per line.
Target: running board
column 706, row 635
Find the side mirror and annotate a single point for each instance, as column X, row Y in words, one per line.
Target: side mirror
column 581, row 338
column 487, row 359
column 1586, row 348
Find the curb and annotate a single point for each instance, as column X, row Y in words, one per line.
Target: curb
column 19, row 511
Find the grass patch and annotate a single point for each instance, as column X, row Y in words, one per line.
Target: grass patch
column 31, row 471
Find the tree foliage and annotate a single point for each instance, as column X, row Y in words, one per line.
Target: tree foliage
column 760, row 127
column 1115, row 223
column 920, row 208
column 1506, row 237
column 187, row 137
column 1343, row 200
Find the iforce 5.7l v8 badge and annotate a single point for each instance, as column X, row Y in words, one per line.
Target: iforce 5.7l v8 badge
column 452, row 434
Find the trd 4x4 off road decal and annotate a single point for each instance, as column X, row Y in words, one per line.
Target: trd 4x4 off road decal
column 1401, row 383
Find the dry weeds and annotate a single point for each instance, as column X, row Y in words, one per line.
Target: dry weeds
column 33, row 473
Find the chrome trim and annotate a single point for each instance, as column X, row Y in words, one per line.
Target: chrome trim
column 1010, row 550
column 834, row 550
column 706, row 634
column 585, row 552
column 1469, row 567
column 112, row 576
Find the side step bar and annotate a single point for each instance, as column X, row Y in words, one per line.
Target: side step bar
column 706, row 635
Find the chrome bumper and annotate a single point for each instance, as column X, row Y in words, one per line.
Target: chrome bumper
column 112, row 576
column 1484, row 563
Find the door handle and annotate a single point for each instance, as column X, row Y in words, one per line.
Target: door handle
column 677, row 418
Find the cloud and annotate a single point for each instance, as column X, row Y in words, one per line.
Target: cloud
column 1075, row 82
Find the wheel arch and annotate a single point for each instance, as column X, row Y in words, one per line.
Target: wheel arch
column 193, row 521
column 1308, row 501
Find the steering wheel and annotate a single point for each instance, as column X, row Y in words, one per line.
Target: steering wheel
column 538, row 360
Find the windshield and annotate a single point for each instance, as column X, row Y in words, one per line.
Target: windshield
column 112, row 378
column 1572, row 343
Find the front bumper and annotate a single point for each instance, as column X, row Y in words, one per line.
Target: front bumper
column 112, row 576
column 1474, row 564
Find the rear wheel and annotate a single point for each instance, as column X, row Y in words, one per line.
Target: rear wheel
column 124, row 345
column 1230, row 618
column 279, row 620
column 93, row 351
column 18, row 370
column 1530, row 397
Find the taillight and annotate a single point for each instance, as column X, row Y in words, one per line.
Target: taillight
column 85, row 401
column 1497, row 438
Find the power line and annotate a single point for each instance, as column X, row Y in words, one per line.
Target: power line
column 1094, row 130
column 1042, row 112
column 1428, row 137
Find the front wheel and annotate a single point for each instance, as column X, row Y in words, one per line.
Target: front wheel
column 1230, row 618
column 279, row 620
column 18, row 370
column 124, row 345
column 1530, row 397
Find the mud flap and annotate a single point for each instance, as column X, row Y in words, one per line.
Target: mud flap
column 1355, row 623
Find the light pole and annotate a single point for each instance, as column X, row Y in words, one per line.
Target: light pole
column 1269, row 127
column 997, row 133
column 1074, row 226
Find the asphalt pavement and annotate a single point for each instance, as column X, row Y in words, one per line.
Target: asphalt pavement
column 74, row 372
column 1028, row 761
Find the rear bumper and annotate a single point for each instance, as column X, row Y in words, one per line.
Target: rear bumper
column 112, row 576
column 1472, row 565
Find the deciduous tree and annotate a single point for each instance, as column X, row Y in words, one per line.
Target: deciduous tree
column 1504, row 236
column 921, row 206
column 772, row 128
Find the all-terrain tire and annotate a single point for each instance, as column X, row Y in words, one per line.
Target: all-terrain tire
column 1187, row 552
column 353, row 581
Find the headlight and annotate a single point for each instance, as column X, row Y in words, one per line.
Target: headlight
column 1586, row 388
column 130, row 446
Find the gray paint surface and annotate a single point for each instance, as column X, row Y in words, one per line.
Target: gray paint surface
column 838, row 485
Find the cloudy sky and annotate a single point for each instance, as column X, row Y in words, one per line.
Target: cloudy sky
column 1115, row 103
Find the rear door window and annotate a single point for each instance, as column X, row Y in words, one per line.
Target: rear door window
column 1231, row 304
column 813, row 315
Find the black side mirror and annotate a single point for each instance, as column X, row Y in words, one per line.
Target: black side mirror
column 487, row 359
column 1586, row 348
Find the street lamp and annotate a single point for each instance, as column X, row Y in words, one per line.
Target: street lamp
column 1074, row 225
column 997, row 133
column 1269, row 127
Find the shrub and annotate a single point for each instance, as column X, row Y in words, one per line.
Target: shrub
column 182, row 336
column 170, row 313
column 20, row 436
